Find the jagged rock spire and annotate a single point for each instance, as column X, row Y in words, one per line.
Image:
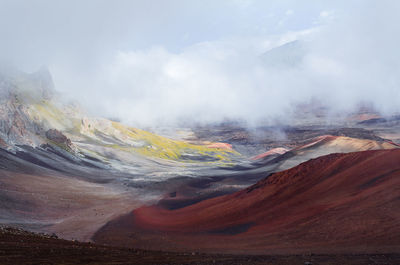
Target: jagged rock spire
column 44, row 81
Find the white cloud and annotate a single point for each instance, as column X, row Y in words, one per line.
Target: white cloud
column 148, row 61
column 243, row 3
column 325, row 16
column 289, row 12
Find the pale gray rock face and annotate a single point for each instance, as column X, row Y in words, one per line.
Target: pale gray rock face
column 17, row 91
column 15, row 126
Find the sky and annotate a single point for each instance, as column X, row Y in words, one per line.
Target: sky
column 153, row 62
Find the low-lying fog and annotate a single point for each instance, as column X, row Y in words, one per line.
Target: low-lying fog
column 159, row 62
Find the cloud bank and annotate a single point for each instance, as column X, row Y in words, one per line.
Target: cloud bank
column 159, row 62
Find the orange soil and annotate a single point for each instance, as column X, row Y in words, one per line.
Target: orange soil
column 220, row 146
column 274, row 151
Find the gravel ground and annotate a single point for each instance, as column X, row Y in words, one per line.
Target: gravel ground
column 21, row 247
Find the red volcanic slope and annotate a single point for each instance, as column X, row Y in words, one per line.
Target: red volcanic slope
column 333, row 204
column 274, row 151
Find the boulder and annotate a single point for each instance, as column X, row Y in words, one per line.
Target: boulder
column 58, row 137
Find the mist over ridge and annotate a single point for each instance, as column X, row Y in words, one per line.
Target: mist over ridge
column 255, row 63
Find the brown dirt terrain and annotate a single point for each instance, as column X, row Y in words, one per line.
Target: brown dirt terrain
column 21, row 247
column 340, row 203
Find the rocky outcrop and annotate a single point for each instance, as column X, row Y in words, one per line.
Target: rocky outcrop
column 58, row 137
column 18, row 92
column 15, row 126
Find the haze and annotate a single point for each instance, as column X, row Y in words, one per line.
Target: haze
column 152, row 62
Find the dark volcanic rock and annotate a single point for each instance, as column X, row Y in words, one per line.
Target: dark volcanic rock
column 58, row 137
column 22, row 247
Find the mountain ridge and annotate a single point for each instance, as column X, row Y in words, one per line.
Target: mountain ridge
column 290, row 211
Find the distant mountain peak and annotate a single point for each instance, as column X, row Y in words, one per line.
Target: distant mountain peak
column 45, row 81
column 30, row 87
column 288, row 55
